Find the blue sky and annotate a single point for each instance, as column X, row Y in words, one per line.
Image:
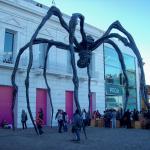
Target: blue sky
column 134, row 15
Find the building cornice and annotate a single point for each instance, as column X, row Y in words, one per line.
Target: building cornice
column 38, row 11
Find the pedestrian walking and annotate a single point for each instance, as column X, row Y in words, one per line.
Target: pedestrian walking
column 65, row 121
column 76, row 125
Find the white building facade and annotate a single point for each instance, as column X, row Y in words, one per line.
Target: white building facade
column 18, row 21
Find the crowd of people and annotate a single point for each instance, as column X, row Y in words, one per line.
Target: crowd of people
column 62, row 120
column 110, row 117
column 83, row 119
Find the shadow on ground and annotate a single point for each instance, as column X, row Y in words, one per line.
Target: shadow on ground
column 98, row 139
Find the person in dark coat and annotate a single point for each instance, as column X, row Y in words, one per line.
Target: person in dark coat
column 76, row 125
column 65, row 121
column 24, row 119
column 127, row 119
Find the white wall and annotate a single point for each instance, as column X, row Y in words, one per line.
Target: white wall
column 24, row 18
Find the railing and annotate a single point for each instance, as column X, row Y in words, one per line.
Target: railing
column 6, row 58
column 82, row 73
column 59, row 69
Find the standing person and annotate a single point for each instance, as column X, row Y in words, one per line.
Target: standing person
column 56, row 116
column 76, row 125
column 24, row 119
column 98, row 115
column 41, row 114
column 84, row 117
column 60, row 121
column 39, row 123
column 119, row 116
column 113, row 118
column 127, row 119
column 65, row 121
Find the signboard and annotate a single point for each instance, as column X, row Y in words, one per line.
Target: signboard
column 114, row 90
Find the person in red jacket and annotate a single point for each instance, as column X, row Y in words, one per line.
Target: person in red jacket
column 39, row 123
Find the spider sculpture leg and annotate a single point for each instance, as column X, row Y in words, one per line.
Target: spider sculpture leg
column 58, row 45
column 123, row 67
column 36, row 41
column 89, row 88
column 131, row 44
column 13, row 78
column 51, row 11
column 72, row 27
column 48, row 87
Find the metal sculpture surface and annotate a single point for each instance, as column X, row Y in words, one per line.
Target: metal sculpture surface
column 84, row 49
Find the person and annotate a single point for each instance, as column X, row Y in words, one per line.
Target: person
column 6, row 125
column 94, row 115
column 98, row 115
column 113, row 119
column 76, row 125
column 24, row 119
column 84, row 117
column 135, row 115
column 127, row 119
column 60, row 121
column 65, row 121
column 56, row 116
column 119, row 116
column 41, row 115
column 39, row 123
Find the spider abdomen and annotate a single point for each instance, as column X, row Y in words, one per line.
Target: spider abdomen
column 84, row 59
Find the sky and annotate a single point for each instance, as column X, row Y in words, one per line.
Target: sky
column 134, row 15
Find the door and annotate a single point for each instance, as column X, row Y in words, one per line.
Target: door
column 41, row 103
column 6, row 94
column 69, row 104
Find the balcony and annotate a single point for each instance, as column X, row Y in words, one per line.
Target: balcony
column 58, row 70
column 6, row 58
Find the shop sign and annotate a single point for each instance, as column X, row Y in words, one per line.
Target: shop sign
column 113, row 90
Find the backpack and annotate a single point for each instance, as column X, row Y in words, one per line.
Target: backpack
column 79, row 122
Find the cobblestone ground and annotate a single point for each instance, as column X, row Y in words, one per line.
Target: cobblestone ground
column 98, row 139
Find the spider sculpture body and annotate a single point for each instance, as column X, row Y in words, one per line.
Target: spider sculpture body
column 84, row 48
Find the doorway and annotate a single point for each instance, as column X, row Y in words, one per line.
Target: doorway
column 6, row 94
column 41, row 103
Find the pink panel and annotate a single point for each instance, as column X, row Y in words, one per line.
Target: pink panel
column 69, row 104
column 6, row 94
column 41, row 102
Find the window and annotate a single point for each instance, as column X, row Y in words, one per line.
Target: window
column 111, row 56
column 8, row 46
column 114, row 76
column 92, row 65
column 132, row 79
column 42, row 54
column 129, row 62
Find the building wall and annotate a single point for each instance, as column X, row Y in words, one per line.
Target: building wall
column 23, row 17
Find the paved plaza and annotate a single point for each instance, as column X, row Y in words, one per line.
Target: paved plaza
column 98, row 139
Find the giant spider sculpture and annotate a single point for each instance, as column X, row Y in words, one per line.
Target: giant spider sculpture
column 84, row 49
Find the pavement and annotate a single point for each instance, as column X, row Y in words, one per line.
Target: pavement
column 98, row 139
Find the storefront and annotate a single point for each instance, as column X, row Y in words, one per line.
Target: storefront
column 114, row 80
column 114, row 96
